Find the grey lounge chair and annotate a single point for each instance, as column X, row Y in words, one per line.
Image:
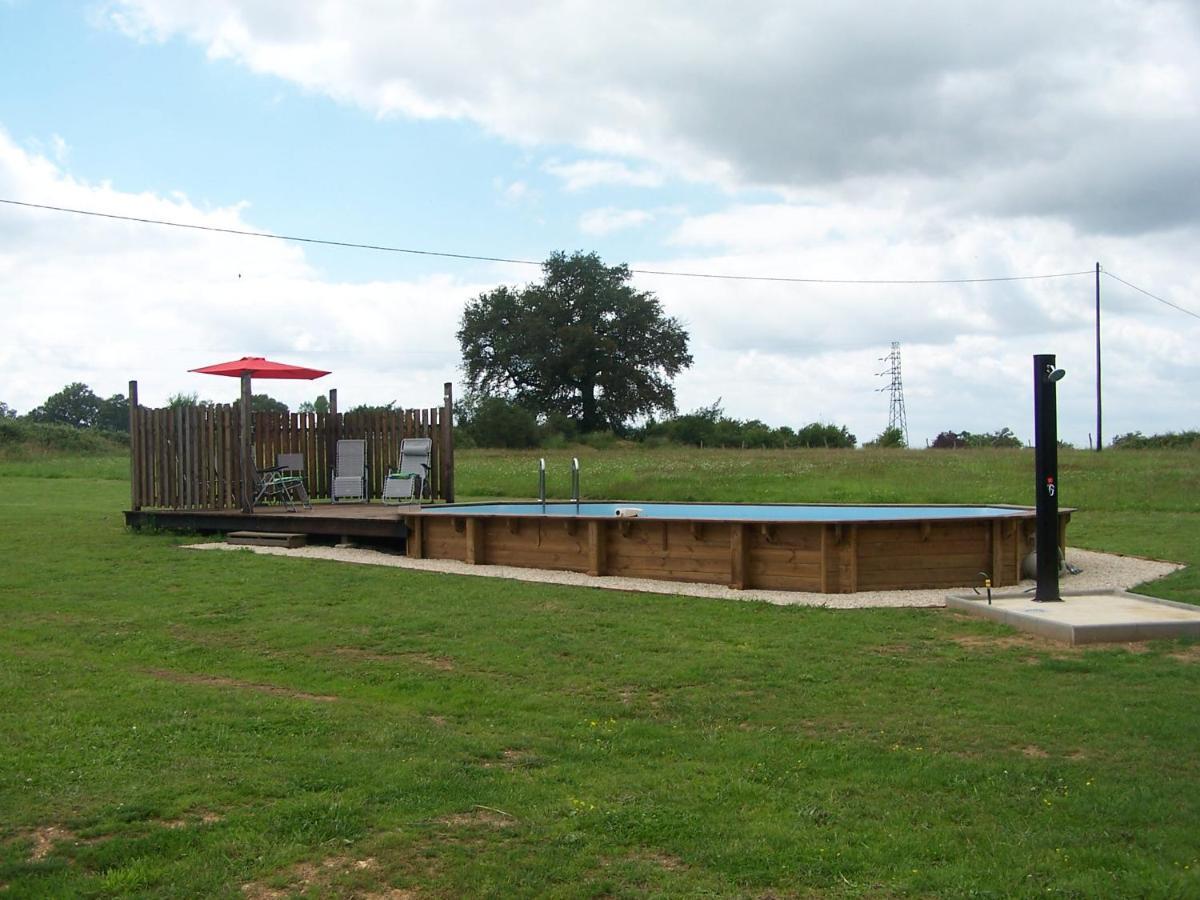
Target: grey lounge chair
column 349, row 480
column 411, row 480
column 284, row 482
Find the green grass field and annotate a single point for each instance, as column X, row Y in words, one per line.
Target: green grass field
column 226, row 724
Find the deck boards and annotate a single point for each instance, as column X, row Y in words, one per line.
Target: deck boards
column 354, row 520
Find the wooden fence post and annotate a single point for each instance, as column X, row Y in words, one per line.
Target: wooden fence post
column 332, row 435
column 244, row 450
column 135, row 468
column 447, row 454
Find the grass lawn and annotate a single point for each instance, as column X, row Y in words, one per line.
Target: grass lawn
column 226, row 724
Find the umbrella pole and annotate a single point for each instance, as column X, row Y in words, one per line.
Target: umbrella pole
column 247, row 460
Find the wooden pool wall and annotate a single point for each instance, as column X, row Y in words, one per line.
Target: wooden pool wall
column 821, row 557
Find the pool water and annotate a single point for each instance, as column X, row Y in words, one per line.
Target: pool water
column 735, row 512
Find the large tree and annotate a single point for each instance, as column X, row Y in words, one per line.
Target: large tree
column 583, row 343
column 75, row 405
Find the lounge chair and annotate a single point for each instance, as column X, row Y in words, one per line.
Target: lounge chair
column 349, row 480
column 411, row 480
column 284, row 482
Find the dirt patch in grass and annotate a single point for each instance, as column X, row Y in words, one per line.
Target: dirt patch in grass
column 441, row 663
column 511, row 759
column 1004, row 642
column 221, row 681
column 1189, row 654
column 1060, row 650
column 317, row 877
column 1034, row 752
column 893, row 649
column 666, row 861
column 45, row 837
column 366, row 655
column 479, row 817
column 204, row 818
column 631, row 693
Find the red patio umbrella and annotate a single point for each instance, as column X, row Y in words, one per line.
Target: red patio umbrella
column 246, row 368
column 257, row 367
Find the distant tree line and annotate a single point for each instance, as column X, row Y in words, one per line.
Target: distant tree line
column 491, row 421
column 78, row 406
column 483, row 420
column 1135, row 440
column 960, row 440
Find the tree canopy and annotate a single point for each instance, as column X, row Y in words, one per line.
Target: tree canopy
column 583, row 343
column 75, row 405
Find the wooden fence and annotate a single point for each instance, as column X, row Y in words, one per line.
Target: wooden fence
column 189, row 457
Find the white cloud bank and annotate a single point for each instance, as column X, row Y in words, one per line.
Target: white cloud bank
column 1080, row 109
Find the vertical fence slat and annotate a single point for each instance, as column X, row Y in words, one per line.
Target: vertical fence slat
column 187, row 438
column 207, row 470
column 227, row 444
column 195, row 446
column 167, row 462
column 318, row 483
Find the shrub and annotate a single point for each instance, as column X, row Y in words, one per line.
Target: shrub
column 497, row 422
column 889, row 439
column 816, row 434
column 18, row 436
column 951, row 440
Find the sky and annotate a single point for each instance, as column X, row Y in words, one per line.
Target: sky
column 852, row 142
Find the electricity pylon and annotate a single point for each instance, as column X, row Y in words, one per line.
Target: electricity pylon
column 896, row 415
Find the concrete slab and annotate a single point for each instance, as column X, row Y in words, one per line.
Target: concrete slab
column 1087, row 617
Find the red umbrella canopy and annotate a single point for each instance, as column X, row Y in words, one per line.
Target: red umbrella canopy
column 257, row 367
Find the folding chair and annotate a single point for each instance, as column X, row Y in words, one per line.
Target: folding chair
column 410, row 481
column 349, row 480
column 284, row 481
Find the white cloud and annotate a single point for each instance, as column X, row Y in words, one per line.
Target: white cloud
column 607, row 220
column 513, row 191
column 589, row 173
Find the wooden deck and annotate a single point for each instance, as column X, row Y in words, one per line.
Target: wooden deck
column 342, row 520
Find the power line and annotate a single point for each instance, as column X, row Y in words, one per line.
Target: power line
column 1150, row 295
column 528, row 262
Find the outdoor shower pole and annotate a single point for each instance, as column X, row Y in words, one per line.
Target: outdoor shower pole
column 247, row 461
column 1099, row 440
column 1045, row 428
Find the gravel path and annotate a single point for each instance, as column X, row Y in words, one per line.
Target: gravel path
column 1100, row 571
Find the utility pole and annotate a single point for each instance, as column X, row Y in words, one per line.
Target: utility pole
column 896, row 415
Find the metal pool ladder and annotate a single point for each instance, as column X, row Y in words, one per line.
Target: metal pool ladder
column 542, row 482
column 575, row 482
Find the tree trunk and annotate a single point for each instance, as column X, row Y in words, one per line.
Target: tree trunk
column 589, row 423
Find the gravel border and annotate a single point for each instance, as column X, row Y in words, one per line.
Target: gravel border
column 1101, row 571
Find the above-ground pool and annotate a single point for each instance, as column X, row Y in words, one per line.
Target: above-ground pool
column 797, row 547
